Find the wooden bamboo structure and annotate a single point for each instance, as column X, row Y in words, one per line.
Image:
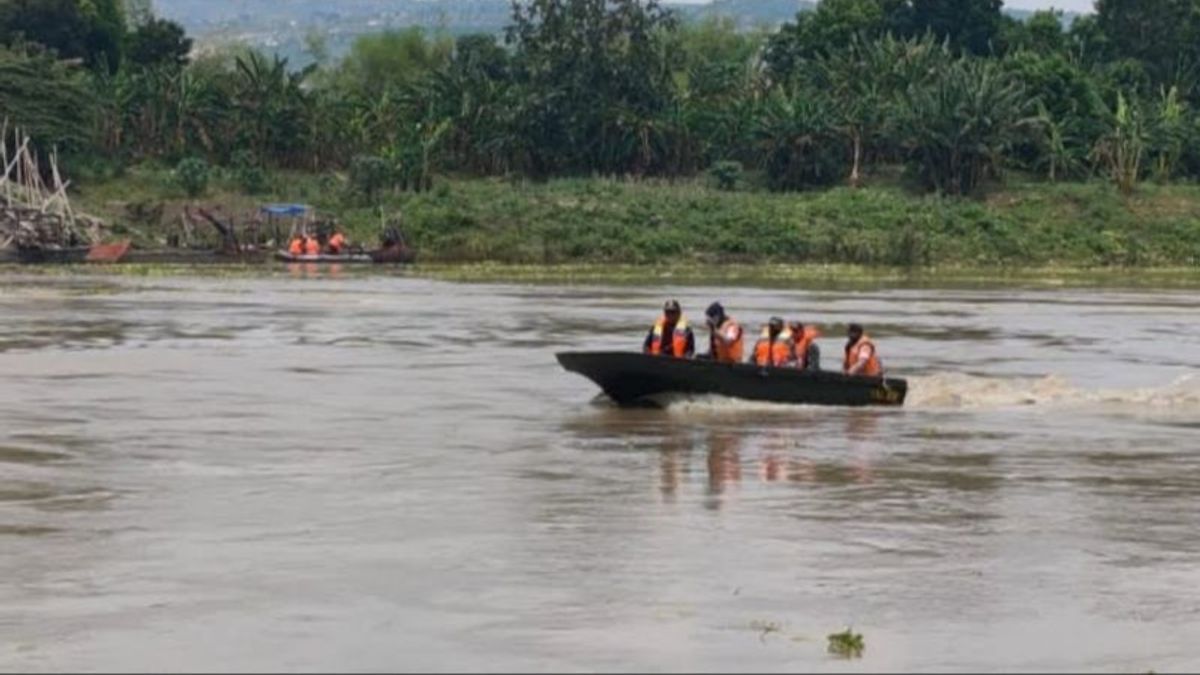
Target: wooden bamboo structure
column 34, row 214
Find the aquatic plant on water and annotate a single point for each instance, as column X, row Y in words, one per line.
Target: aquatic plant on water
column 846, row 644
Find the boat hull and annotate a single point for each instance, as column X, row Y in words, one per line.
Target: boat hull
column 631, row 379
column 378, row 256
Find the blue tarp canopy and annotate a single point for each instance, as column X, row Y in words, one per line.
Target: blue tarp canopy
column 285, row 209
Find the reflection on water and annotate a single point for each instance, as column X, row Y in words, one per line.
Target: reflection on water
column 324, row 469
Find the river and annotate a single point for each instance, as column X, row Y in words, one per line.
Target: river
column 392, row 473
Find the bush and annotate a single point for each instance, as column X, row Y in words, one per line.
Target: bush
column 250, row 176
column 192, row 175
column 368, row 175
column 727, row 174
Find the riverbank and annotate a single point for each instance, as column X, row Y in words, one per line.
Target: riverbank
column 604, row 221
column 765, row 275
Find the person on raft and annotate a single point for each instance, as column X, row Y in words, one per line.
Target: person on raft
column 774, row 346
column 337, row 241
column 304, row 244
column 861, row 356
column 671, row 335
column 805, row 352
column 725, row 336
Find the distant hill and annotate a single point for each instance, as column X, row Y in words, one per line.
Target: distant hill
column 750, row 13
column 280, row 26
column 203, row 17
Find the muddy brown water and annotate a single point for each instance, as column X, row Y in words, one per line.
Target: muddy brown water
column 392, row 473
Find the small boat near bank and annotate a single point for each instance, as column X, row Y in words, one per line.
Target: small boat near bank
column 284, row 256
column 395, row 255
column 96, row 253
column 632, row 378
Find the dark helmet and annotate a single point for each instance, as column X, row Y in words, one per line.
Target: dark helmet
column 775, row 325
column 715, row 312
column 671, row 307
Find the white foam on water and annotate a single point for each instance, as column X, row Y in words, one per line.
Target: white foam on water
column 700, row 404
column 957, row 390
column 975, row 392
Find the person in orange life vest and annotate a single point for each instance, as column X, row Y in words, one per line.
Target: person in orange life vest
column 670, row 335
column 725, row 338
column 861, row 356
column 774, row 346
column 805, row 351
column 337, row 242
column 296, row 245
column 311, row 245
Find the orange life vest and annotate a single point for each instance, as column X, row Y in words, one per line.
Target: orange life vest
column 874, row 366
column 311, row 246
column 296, row 246
column 678, row 339
column 802, row 343
column 337, row 242
column 727, row 352
column 773, row 353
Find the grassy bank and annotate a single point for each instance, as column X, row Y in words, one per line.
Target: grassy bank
column 760, row 275
column 1026, row 225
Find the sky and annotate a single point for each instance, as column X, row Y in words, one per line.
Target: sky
column 1068, row 5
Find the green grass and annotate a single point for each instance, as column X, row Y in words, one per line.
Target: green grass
column 604, row 221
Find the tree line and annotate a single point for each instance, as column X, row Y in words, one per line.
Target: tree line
column 954, row 91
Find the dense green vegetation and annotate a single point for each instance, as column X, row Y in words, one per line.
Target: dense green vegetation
column 606, row 99
column 580, row 220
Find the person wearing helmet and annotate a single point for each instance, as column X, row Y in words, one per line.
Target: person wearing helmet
column 724, row 335
column 805, row 351
column 861, row 356
column 670, row 335
column 774, row 346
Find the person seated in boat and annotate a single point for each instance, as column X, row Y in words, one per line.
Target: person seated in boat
column 861, row 356
column 670, row 335
column 311, row 245
column 805, row 352
column 296, row 245
column 337, row 241
column 774, row 346
column 725, row 336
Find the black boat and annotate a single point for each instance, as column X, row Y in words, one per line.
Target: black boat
column 631, row 378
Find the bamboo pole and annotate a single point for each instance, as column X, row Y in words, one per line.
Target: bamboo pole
column 4, row 159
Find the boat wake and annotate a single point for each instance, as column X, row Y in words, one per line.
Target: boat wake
column 956, row 390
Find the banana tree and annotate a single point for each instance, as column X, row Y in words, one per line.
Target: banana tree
column 1168, row 129
column 796, row 134
column 958, row 128
column 1121, row 150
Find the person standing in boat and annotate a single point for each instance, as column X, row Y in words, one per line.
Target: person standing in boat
column 671, row 335
column 774, row 346
column 805, row 352
column 725, row 336
column 861, row 356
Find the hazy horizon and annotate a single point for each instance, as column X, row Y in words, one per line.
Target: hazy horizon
column 1082, row 6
